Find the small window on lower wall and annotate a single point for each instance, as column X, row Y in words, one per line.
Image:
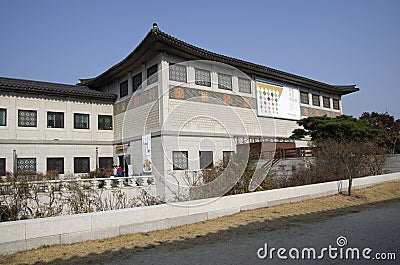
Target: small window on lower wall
column 104, row 122
column 55, row 163
column 226, row 156
column 206, row 159
column 26, row 165
column 105, row 162
column 180, row 160
column 81, row 164
column 2, row 166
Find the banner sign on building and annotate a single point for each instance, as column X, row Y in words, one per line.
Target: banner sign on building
column 278, row 101
column 146, row 151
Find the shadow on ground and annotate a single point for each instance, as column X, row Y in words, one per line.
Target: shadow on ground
column 223, row 235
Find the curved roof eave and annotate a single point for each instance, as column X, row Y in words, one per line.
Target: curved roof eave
column 173, row 43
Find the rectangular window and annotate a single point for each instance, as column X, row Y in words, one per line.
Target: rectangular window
column 81, row 121
column 3, row 117
column 105, row 122
column 152, row 76
column 55, row 119
column 226, row 156
column 180, row 160
column 123, row 89
column 137, row 81
column 2, row 166
column 177, row 72
column 202, row 77
column 26, row 165
column 106, row 162
column 336, row 104
column 326, row 102
column 81, row 164
column 315, row 100
column 27, row 118
column 244, row 85
column 55, row 163
column 206, row 159
column 224, row 81
column 304, row 97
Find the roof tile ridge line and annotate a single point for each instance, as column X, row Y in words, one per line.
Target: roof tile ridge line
column 241, row 61
column 122, row 61
column 21, row 81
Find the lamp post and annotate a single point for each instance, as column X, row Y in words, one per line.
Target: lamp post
column 97, row 159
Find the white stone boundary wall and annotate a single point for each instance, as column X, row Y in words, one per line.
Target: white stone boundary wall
column 28, row 234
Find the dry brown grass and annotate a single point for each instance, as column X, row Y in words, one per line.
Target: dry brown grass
column 276, row 216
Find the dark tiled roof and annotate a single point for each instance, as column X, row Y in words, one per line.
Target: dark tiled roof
column 156, row 34
column 39, row 87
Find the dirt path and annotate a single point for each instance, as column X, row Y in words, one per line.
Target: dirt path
column 267, row 219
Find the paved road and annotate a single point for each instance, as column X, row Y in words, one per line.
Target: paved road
column 376, row 227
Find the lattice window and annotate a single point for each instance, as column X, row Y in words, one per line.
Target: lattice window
column 206, row 159
column 180, row 160
column 304, row 97
column 123, row 89
column 81, row 121
column 177, row 72
column 81, row 164
column 224, row 81
column 55, row 120
column 244, row 85
column 26, row 165
column 106, row 162
column 326, row 102
column 202, row 77
column 2, row 166
column 105, row 122
column 55, row 163
column 336, row 104
column 27, row 118
column 152, row 76
column 3, row 117
column 137, row 81
column 315, row 100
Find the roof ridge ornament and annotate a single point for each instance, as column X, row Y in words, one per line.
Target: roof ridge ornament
column 155, row 27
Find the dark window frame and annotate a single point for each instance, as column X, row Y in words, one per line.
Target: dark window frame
column 202, row 82
column 241, row 81
column 304, row 97
column 101, row 125
column 152, row 74
column 136, row 82
column 80, row 169
column 174, row 165
column 5, row 116
column 26, row 171
column 60, row 169
column 336, row 104
column 220, row 78
column 204, row 161
column 326, row 100
column 123, row 89
column 314, row 97
column 56, row 124
column 3, row 163
column 20, row 124
column 172, row 77
column 106, row 162
column 80, row 125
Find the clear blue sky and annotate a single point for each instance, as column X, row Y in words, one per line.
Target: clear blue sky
column 337, row 42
